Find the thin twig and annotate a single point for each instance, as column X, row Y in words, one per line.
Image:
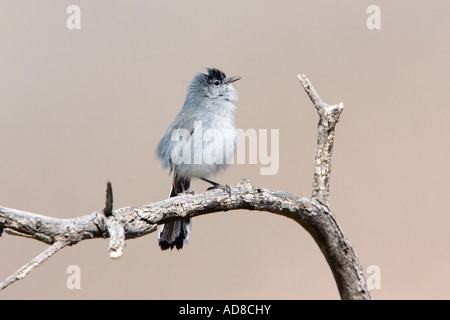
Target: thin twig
column 109, row 200
column 33, row 264
column 116, row 237
column 318, row 103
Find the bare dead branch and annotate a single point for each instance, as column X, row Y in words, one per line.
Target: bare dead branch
column 139, row 221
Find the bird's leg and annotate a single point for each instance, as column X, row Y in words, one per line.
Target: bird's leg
column 186, row 189
column 216, row 185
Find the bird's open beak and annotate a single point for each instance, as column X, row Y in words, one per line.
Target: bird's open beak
column 232, row 79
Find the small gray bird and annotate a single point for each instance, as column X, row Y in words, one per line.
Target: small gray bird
column 199, row 143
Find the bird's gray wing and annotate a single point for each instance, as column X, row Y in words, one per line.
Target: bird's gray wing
column 178, row 133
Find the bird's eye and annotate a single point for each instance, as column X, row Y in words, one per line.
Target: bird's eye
column 216, row 82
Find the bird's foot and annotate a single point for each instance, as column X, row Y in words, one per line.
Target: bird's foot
column 225, row 188
column 216, row 185
column 188, row 192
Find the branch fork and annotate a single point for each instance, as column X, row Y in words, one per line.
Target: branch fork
column 115, row 229
column 329, row 117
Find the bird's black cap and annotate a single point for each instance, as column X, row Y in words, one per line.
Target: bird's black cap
column 215, row 74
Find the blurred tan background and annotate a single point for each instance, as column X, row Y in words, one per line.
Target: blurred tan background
column 80, row 107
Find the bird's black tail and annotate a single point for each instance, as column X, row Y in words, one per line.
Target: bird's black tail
column 175, row 234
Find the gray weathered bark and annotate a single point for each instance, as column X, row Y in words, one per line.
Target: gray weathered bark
column 313, row 214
